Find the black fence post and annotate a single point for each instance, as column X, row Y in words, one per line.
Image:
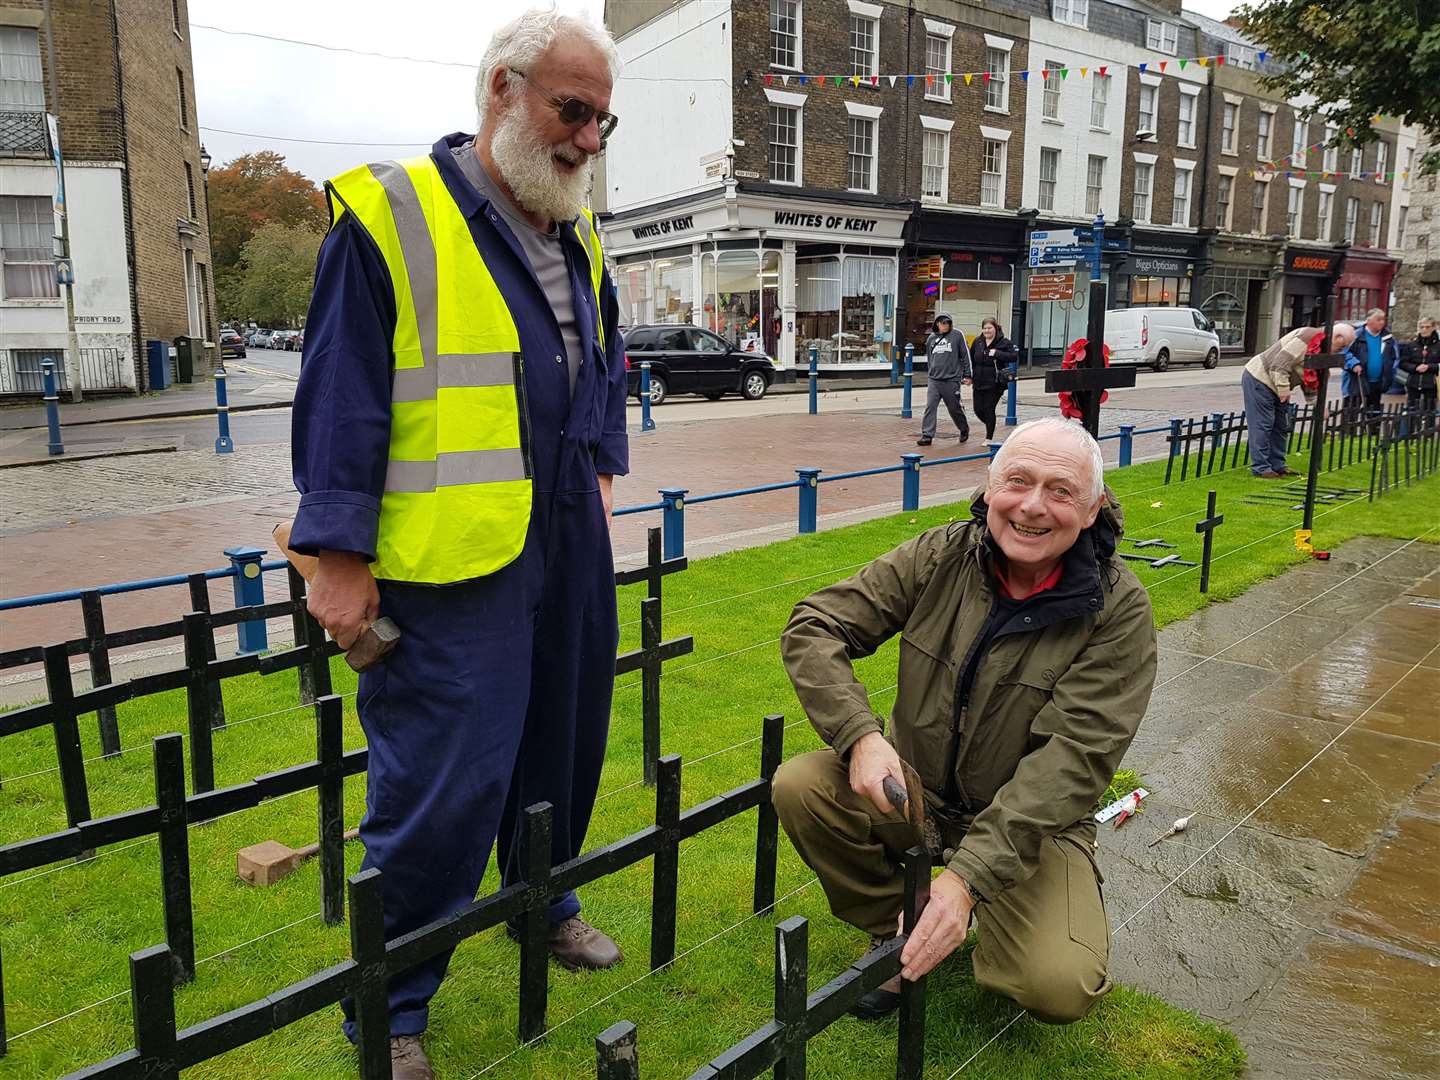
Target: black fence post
column 666, row 878
column 152, row 1012
column 198, row 702
column 767, row 827
column 331, row 791
column 371, row 997
column 910, row 1042
column 300, row 629
column 67, row 735
column 200, row 601
column 535, row 828
column 650, row 685
column 1208, row 526
column 94, row 615
column 616, row 1056
column 175, row 855
column 792, row 986
column 1185, row 458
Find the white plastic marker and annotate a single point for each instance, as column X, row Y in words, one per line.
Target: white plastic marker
column 1181, row 824
column 1130, row 803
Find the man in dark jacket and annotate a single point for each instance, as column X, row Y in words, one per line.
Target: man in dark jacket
column 991, row 357
column 947, row 367
column 1420, row 360
column 1370, row 364
column 1027, row 657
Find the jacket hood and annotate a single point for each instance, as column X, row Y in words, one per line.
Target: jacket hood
column 1103, row 536
column 935, row 326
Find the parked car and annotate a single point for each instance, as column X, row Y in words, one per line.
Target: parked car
column 688, row 360
column 280, row 339
column 261, row 339
column 295, row 340
column 1161, row 336
column 231, row 344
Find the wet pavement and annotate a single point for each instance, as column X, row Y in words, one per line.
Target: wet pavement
column 1300, row 725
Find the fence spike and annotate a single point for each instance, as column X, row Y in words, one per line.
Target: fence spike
column 152, row 1012
column 910, row 1040
column 197, row 698
column 92, row 612
column 200, row 601
column 535, row 829
column 329, row 753
column 174, row 837
column 767, row 828
column 616, row 1055
column 792, row 984
column 61, row 691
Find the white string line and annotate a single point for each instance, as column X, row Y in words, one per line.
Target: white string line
column 635, row 982
column 753, row 592
column 707, row 660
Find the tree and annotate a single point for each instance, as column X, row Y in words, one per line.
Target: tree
column 252, row 191
column 275, row 274
column 1358, row 58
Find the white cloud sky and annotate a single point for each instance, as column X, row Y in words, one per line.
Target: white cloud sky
column 275, row 89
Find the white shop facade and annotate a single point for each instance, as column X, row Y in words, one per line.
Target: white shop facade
column 770, row 272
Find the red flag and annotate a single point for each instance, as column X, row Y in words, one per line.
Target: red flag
column 1163, row 63
column 1102, row 72
column 985, row 76
column 1219, row 61
column 767, row 79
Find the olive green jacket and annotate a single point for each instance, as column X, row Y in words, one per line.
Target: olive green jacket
column 1054, row 703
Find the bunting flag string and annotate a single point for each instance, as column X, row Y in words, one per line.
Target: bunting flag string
column 1321, row 174
column 1289, row 159
column 930, row 77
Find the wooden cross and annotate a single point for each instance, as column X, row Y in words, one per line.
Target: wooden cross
column 1207, row 527
column 1155, row 542
column 1164, row 560
column 1089, row 381
column 656, row 568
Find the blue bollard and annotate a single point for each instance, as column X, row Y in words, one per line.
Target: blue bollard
column 814, row 380
column 993, row 448
column 224, row 444
column 249, row 592
column 1127, row 443
column 906, row 389
column 673, row 521
column 1012, row 396
column 809, row 498
column 895, row 366
column 910, row 482
column 646, row 424
column 52, row 405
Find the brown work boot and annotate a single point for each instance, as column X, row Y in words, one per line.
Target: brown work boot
column 408, row 1060
column 885, row 998
column 580, row 947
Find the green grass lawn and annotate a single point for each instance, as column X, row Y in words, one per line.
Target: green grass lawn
column 66, row 933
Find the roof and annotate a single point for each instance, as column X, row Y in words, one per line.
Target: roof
column 1217, row 29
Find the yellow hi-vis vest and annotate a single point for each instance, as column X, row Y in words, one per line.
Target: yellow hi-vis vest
column 458, row 484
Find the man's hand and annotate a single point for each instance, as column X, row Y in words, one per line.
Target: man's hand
column 941, row 927
column 1420, row 369
column 872, row 759
column 967, row 382
column 607, row 496
column 1284, row 398
column 343, row 597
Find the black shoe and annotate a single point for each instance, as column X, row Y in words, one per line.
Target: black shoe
column 922, row 441
column 878, row 1003
column 964, row 436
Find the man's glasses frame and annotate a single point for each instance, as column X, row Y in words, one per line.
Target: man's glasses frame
column 573, row 111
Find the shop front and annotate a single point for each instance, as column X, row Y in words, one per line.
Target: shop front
column 1364, row 284
column 771, row 272
column 1050, row 325
column 1237, row 293
column 1158, row 272
column 1310, row 275
column 964, row 265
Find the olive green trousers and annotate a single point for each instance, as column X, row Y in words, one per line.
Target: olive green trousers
column 1044, row 942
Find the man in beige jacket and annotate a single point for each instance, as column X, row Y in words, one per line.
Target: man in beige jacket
column 1266, row 384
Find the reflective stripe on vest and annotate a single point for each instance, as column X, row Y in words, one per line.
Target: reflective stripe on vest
column 458, row 483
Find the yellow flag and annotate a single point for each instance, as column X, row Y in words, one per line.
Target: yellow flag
column 968, row 77
column 1083, row 72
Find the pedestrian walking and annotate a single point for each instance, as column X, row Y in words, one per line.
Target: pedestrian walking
column 1370, row 365
column 458, row 422
column 947, row 368
column 1419, row 361
column 990, row 360
column 1266, row 384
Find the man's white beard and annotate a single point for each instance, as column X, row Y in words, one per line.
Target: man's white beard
column 527, row 165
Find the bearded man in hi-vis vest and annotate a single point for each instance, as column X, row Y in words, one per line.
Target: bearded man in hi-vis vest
column 458, row 424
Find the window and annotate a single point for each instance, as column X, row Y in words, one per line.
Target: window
column 1094, row 184
column 1258, row 196
column 1357, row 162
column 27, row 247
column 1099, row 100
column 1049, row 175
column 997, row 90
column 175, row 22
column 22, row 93
column 1144, row 182
column 1186, row 130
column 1180, row 207
column 1227, row 127
column 1242, row 56
column 860, row 162
column 935, row 172
column 1050, row 106
column 30, row 376
column 183, row 100
column 1382, row 161
column 1294, row 209
column 937, row 63
column 1074, row 12
column 784, row 144
column 1377, row 214
column 1400, row 221
column 1325, row 217
column 1224, row 197
column 1332, row 152
column 1352, row 219
column 785, row 33
column 1263, row 124
column 864, row 45
column 1409, row 167
column 1161, row 36
column 992, row 173
column 190, row 191
column 1299, row 140
column 1148, row 97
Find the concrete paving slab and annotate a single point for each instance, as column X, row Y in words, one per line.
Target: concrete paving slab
column 1411, row 709
column 1189, row 695
column 1379, row 637
column 1429, row 588
column 1367, row 552
column 1337, row 689
column 1395, row 899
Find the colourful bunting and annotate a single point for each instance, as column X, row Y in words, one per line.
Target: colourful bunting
column 1220, row 61
column 1143, row 67
column 932, row 79
column 838, row 80
column 968, row 77
column 1261, row 55
column 1203, row 62
column 802, row 80
column 1064, row 73
column 1082, row 72
column 1182, row 66
column 768, row 79
column 1103, row 69
column 854, row 80
column 892, row 81
column 949, row 78
column 986, row 76
column 1025, row 76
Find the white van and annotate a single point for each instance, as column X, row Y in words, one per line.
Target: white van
column 1161, row 336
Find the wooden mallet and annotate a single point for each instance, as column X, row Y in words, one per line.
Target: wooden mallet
column 271, row 861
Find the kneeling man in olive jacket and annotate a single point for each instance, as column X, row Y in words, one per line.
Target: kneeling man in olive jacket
column 1027, row 657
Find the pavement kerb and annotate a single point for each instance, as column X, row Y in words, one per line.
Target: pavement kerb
column 60, row 459
column 176, row 414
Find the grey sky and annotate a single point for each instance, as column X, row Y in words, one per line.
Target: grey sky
column 281, row 92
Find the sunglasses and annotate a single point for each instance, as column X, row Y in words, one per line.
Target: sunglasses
column 573, row 111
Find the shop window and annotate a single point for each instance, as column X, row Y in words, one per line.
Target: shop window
column 817, row 307
column 1159, row 292
column 732, row 297
column 771, row 322
column 632, row 288
column 674, row 290
column 1225, row 308
column 867, row 309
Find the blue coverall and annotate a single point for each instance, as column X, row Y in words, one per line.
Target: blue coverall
column 498, row 695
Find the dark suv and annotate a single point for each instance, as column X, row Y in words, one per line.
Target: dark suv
column 685, row 359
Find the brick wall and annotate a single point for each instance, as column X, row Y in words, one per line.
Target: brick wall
column 1165, row 149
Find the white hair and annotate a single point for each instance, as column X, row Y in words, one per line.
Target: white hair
column 1374, row 311
column 518, row 44
column 1070, row 430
